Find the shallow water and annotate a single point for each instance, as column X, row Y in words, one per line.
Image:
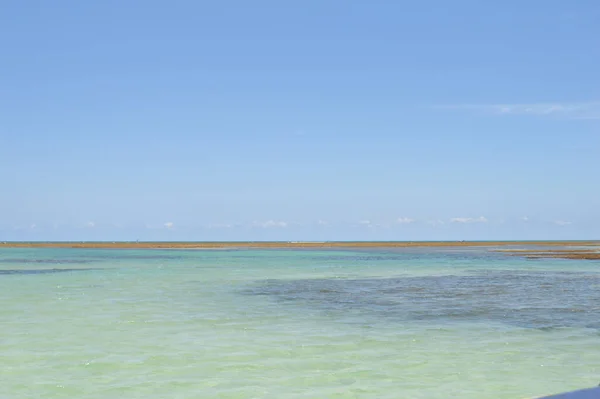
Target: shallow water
column 377, row 323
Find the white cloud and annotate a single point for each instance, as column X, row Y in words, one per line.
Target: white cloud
column 562, row 222
column 220, row 226
column 299, row 133
column 581, row 110
column 91, row 224
column 366, row 223
column 372, row 225
column 525, row 219
column 435, row 222
column 322, row 223
column 169, row 225
column 271, row 224
column 405, row 220
column 480, row 219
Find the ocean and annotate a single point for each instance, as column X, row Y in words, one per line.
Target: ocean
column 369, row 323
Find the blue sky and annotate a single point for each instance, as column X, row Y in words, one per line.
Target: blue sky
column 238, row 120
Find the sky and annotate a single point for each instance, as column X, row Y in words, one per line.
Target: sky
column 299, row 120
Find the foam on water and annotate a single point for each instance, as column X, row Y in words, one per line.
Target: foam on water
column 381, row 323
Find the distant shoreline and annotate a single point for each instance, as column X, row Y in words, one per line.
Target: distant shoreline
column 286, row 244
column 546, row 249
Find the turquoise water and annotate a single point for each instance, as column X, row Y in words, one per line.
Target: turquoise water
column 404, row 323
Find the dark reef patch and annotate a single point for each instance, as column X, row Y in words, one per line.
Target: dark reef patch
column 530, row 299
column 141, row 257
column 39, row 271
column 47, row 261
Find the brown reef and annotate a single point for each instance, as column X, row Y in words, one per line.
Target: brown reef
column 549, row 247
column 301, row 244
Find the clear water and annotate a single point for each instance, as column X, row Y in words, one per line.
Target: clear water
column 405, row 323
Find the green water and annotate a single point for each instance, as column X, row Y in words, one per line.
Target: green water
column 295, row 324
